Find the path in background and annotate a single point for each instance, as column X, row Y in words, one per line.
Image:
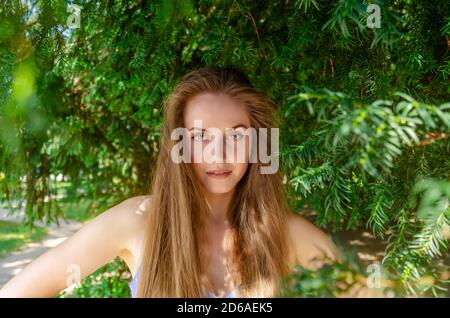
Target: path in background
column 13, row 263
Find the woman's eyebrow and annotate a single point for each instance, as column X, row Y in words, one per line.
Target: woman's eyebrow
column 197, row 128
column 234, row 127
column 239, row 125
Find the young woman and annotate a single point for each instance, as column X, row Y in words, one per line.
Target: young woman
column 216, row 227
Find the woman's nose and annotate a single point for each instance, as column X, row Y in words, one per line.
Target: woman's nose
column 219, row 150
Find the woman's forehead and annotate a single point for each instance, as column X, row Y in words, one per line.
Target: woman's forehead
column 214, row 110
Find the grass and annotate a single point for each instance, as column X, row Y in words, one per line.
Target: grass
column 14, row 236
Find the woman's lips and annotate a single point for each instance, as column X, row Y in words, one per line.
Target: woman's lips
column 218, row 173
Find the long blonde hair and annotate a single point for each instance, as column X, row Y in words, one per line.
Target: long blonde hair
column 171, row 261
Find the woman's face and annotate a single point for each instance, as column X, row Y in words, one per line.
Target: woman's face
column 219, row 140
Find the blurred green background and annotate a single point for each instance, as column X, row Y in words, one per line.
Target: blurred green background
column 365, row 118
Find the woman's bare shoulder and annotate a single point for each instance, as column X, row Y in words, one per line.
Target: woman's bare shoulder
column 136, row 208
column 132, row 215
column 129, row 213
column 310, row 246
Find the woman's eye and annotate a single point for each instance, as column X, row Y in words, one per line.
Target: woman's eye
column 235, row 136
column 199, row 137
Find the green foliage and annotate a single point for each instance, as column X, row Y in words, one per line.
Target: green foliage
column 85, row 209
column 374, row 160
column 344, row 279
column 109, row 281
column 365, row 132
column 329, row 281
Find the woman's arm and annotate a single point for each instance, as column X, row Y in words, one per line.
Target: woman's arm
column 311, row 247
column 95, row 244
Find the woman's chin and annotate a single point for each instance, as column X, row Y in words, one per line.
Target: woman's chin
column 219, row 189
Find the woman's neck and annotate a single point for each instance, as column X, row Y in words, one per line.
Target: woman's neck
column 215, row 244
column 219, row 204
